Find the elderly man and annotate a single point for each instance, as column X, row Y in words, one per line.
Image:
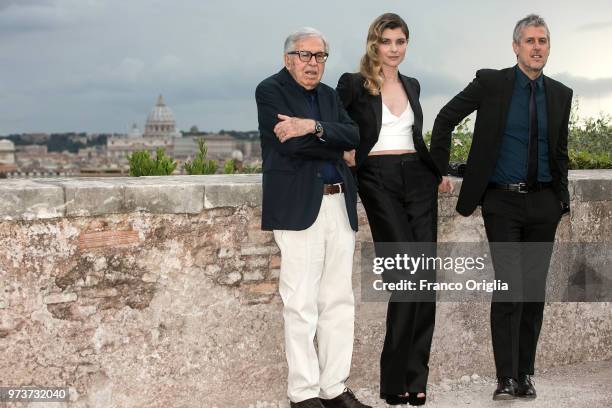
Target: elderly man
column 517, row 171
column 309, row 201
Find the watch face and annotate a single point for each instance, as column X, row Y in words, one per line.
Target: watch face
column 318, row 127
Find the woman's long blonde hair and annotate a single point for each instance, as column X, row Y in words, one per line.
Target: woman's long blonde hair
column 370, row 66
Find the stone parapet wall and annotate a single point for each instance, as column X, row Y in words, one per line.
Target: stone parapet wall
column 162, row 292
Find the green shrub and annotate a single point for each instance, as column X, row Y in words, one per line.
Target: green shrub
column 461, row 142
column 589, row 142
column 142, row 164
column 200, row 165
column 230, row 167
column 254, row 168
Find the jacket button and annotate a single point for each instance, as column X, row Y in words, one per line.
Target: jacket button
column 318, row 174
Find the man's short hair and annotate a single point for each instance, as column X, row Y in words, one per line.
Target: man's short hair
column 532, row 20
column 302, row 33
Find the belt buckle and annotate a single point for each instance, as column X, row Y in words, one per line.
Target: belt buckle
column 522, row 188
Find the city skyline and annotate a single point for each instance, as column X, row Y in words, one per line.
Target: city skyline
column 98, row 66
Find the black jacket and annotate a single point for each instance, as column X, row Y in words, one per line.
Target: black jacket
column 292, row 183
column 366, row 110
column 490, row 94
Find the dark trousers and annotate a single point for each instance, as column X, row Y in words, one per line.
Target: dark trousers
column 531, row 218
column 399, row 194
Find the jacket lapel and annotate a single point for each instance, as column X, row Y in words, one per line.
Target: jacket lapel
column 376, row 105
column 296, row 101
column 413, row 99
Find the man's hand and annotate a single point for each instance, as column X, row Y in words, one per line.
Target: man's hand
column 289, row 127
column 349, row 158
column 446, row 186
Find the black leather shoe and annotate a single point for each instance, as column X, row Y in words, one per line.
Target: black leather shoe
column 506, row 389
column 309, row 403
column 525, row 387
column 345, row 400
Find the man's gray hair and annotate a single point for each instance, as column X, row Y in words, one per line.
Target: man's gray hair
column 532, row 20
column 302, row 33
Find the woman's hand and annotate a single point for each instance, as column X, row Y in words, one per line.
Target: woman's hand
column 446, row 186
column 349, row 158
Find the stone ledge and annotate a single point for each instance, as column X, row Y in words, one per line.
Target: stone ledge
column 84, row 197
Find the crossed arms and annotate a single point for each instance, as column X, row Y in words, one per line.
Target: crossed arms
column 291, row 136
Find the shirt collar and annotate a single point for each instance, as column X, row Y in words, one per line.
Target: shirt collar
column 523, row 80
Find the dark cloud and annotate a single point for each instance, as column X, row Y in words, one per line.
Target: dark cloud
column 5, row 4
column 98, row 65
column 585, row 87
column 595, row 26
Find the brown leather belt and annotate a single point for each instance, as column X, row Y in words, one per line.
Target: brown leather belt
column 333, row 188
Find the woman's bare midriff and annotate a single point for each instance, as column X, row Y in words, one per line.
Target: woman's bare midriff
column 383, row 152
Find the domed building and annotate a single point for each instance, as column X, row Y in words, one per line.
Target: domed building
column 134, row 131
column 7, row 158
column 7, row 152
column 160, row 122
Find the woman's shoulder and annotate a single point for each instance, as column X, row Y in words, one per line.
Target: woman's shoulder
column 413, row 81
column 408, row 78
column 354, row 78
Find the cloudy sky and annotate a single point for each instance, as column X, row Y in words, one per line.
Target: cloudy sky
column 98, row 65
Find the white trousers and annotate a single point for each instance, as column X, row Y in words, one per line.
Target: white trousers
column 316, row 288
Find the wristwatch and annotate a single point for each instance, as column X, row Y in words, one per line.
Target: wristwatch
column 318, row 129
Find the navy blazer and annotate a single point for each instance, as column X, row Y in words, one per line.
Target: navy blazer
column 366, row 110
column 292, row 183
column 491, row 93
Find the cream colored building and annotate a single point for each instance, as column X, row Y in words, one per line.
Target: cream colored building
column 160, row 131
column 160, row 122
column 7, row 152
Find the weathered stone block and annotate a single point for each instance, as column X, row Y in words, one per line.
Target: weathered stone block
column 87, row 198
column 591, row 221
column 163, row 197
column 232, row 195
column 590, row 185
column 27, row 200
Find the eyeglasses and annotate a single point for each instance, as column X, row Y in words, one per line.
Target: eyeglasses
column 306, row 56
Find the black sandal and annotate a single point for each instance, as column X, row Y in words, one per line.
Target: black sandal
column 396, row 399
column 414, row 399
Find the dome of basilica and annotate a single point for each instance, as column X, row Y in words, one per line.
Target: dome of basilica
column 160, row 122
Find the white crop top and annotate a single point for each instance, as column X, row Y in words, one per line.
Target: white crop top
column 395, row 131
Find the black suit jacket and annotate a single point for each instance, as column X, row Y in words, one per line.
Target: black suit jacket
column 366, row 110
column 292, row 183
column 490, row 93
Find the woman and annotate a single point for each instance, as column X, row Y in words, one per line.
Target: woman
column 398, row 184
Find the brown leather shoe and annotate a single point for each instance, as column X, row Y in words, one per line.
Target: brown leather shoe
column 309, row 403
column 345, row 400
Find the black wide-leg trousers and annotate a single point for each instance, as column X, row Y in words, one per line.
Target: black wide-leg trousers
column 399, row 194
column 530, row 219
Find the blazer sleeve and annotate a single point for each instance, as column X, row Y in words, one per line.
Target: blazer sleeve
column 561, row 153
column 345, row 89
column 464, row 103
column 417, row 86
column 270, row 102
